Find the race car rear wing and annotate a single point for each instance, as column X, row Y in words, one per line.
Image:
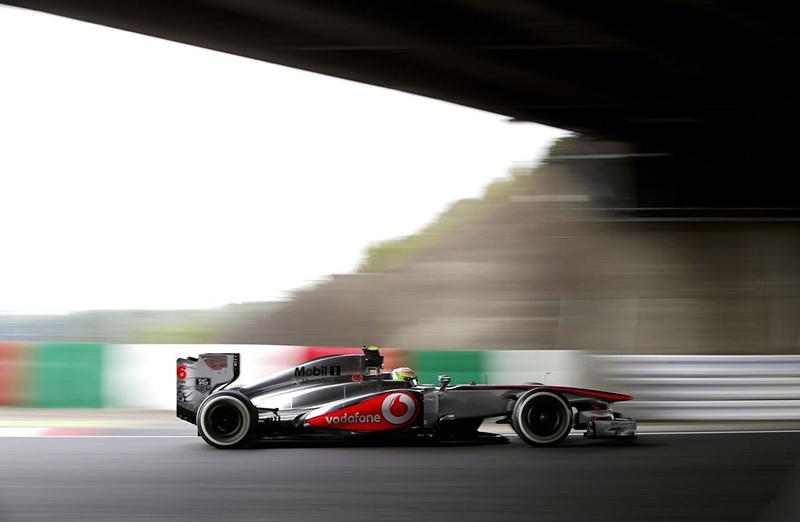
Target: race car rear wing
column 198, row 377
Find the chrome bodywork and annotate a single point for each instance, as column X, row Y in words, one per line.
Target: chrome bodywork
column 349, row 395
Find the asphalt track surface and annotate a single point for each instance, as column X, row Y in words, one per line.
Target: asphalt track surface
column 660, row 477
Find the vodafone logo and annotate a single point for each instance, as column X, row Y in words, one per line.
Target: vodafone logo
column 398, row 408
column 387, row 411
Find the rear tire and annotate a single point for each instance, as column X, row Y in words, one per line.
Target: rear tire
column 227, row 420
column 542, row 418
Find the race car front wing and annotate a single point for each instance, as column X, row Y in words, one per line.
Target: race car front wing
column 611, row 428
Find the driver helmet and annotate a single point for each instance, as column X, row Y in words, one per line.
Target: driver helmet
column 405, row 374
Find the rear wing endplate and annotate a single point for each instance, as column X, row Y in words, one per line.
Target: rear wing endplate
column 198, row 377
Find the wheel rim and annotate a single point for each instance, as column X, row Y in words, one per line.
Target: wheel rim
column 545, row 417
column 224, row 420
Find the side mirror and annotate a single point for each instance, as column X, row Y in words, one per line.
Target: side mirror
column 444, row 380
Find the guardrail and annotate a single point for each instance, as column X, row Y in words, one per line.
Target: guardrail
column 666, row 387
column 702, row 387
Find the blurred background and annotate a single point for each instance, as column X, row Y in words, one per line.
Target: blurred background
column 550, row 275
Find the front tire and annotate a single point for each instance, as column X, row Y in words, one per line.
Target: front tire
column 542, row 418
column 227, row 420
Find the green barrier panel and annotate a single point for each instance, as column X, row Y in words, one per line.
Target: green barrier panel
column 462, row 366
column 68, row 375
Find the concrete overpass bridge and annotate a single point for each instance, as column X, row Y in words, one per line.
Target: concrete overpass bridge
column 704, row 91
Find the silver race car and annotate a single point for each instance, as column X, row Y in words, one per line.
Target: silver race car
column 350, row 396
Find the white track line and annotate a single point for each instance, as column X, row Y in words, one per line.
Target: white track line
column 723, row 432
column 36, row 436
column 706, row 432
column 573, row 434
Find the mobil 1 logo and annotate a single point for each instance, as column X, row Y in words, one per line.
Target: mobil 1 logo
column 317, row 372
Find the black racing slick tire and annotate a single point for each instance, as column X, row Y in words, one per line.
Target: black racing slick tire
column 227, row 420
column 542, row 418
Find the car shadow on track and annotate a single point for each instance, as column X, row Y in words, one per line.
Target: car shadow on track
column 581, row 442
column 574, row 443
column 322, row 443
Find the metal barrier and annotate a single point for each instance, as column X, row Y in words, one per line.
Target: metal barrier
column 703, row 387
column 666, row 387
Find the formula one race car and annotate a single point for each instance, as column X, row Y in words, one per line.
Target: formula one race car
column 349, row 396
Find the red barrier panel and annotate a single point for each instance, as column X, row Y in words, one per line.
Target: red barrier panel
column 13, row 370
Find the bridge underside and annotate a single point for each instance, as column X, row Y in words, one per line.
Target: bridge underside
column 705, row 92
